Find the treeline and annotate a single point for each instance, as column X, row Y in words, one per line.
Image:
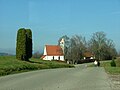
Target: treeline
column 99, row 45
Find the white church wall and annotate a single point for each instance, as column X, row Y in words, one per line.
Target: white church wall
column 45, row 53
column 55, row 58
column 62, row 58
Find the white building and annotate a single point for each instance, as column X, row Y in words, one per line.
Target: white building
column 62, row 43
column 53, row 52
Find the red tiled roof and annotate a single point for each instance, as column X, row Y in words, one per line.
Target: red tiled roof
column 88, row 54
column 42, row 56
column 54, row 50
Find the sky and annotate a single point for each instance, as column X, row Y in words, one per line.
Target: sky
column 51, row 19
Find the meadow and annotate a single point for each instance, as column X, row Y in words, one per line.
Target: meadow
column 10, row 65
column 108, row 68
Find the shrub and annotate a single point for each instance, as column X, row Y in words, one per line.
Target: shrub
column 118, row 62
column 113, row 64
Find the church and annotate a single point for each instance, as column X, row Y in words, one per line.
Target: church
column 54, row 52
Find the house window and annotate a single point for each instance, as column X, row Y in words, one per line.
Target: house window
column 53, row 57
column 59, row 58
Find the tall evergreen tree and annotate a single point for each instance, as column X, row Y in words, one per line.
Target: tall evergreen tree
column 29, row 43
column 24, row 44
column 21, row 44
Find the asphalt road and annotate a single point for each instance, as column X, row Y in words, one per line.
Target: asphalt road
column 79, row 78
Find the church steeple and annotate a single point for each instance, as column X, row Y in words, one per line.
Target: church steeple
column 62, row 43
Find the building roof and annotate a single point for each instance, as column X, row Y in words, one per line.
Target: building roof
column 54, row 50
column 42, row 56
column 88, row 54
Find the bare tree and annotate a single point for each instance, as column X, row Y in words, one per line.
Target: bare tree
column 110, row 49
column 74, row 47
column 77, row 47
column 102, row 47
column 99, row 45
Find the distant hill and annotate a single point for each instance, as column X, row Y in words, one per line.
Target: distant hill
column 4, row 54
column 7, row 51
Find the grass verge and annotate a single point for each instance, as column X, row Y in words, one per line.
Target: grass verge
column 112, row 70
column 108, row 68
column 10, row 65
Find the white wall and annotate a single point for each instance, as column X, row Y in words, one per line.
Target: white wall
column 55, row 58
column 45, row 53
column 62, row 58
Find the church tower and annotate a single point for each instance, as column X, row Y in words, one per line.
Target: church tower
column 62, row 44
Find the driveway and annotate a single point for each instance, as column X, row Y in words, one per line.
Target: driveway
column 79, row 78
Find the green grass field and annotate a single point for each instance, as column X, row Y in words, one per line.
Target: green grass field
column 10, row 65
column 108, row 68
